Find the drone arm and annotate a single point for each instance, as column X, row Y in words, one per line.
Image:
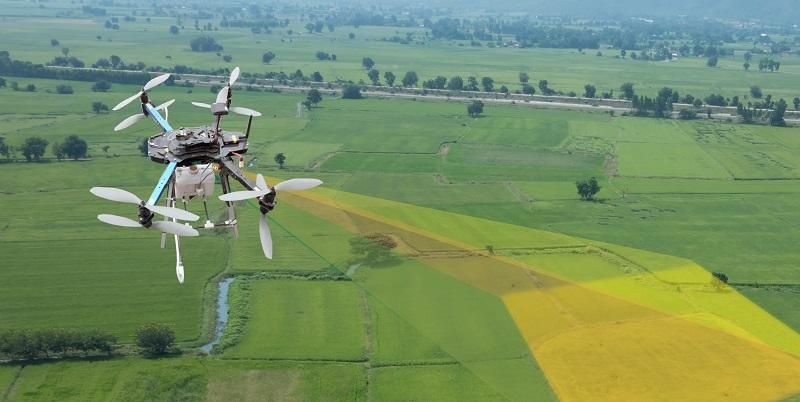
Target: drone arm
column 233, row 170
column 162, row 183
column 156, row 116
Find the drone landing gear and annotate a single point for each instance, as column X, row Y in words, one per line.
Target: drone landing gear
column 179, row 271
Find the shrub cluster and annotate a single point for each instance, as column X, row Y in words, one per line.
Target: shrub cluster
column 36, row 343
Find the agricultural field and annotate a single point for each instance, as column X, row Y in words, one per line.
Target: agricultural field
column 503, row 284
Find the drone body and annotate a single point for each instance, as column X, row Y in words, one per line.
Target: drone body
column 191, row 156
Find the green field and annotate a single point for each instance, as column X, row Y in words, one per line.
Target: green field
column 320, row 324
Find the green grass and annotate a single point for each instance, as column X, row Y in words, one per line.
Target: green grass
column 303, row 320
column 432, row 383
column 781, row 302
column 667, row 160
column 188, row 379
column 396, row 341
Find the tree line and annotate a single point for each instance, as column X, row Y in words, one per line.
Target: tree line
column 49, row 343
column 34, row 148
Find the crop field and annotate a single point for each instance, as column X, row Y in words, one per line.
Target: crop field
column 503, row 285
column 565, row 69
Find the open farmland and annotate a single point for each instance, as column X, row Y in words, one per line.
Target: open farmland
column 503, row 285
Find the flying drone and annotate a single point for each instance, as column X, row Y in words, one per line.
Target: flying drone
column 192, row 155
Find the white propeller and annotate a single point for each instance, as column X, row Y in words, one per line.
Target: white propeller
column 131, row 120
column 148, row 86
column 261, row 190
column 119, row 195
column 235, row 109
column 162, row 226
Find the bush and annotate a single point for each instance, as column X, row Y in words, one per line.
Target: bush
column 352, row 92
column 64, row 89
column 587, row 188
column 155, row 339
column 35, row 343
column 205, row 44
column 101, row 86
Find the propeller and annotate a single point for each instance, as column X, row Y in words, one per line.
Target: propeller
column 119, row 195
column 162, row 226
column 235, row 109
column 261, row 190
column 131, row 120
column 148, row 86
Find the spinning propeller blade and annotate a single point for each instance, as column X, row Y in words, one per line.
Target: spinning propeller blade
column 297, row 184
column 115, row 194
column 127, row 101
column 201, row 104
column 118, row 221
column 148, row 86
column 234, row 76
column 129, row 121
column 266, row 236
column 222, row 95
column 162, row 226
column 171, row 212
column 175, row 228
column 242, row 195
column 156, row 81
column 245, row 111
column 118, row 195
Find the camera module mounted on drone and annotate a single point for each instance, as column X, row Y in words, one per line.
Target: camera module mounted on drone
column 192, row 155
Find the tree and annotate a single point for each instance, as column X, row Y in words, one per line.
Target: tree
column 524, row 77
column 33, row 148
column 475, row 108
column 116, row 61
column 267, row 57
column 30, row 88
column 101, row 86
column 712, row 61
column 374, row 76
column 65, row 51
column 488, row 84
column 389, row 77
column 310, row 27
column 227, row 58
column 367, row 63
column 2, row 82
column 351, row 92
column 544, row 87
column 472, row 84
column 587, row 188
column 155, row 339
column 280, row 159
column 316, row 77
column 205, row 44
column 748, row 57
column 54, row 42
column 627, row 90
column 58, row 150
column 410, row 79
column 74, row 147
column 746, row 66
column 64, row 89
column 776, row 117
column 351, row 35
column 173, row 29
column 589, row 91
column 98, row 107
column 314, row 96
column 755, row 92
column 456, row 83
column 323, row 55
column 796, row 102
column 528, row 89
